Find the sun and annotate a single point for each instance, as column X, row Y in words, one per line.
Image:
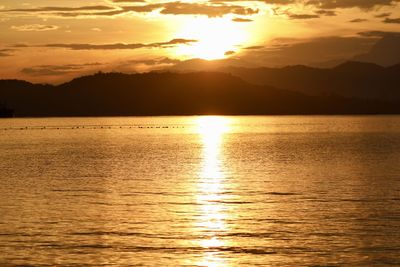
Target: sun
column 216, row 38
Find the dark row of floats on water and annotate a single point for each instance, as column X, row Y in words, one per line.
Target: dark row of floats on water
column 87, row 127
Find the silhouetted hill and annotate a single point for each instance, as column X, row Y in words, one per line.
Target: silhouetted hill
column 395, row 69
column 385, row 52
column 115, row 94
column 350, row 79
column 357, row 68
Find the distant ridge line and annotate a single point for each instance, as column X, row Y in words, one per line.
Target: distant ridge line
column 350, row 88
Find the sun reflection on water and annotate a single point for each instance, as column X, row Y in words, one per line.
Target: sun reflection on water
column 211, row 186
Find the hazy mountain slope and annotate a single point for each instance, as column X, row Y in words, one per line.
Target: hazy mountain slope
column 385, row 52
column 350, row 79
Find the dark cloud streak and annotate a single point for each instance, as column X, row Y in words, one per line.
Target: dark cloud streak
column 57, row 70
column 121, row 46
column 170, row 8
column 392, row 21
column 6, row 52
column 60, row 9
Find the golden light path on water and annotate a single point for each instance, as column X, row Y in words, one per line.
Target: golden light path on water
column 211, row 183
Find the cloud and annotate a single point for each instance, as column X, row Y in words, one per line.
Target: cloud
column 181, row 8
column 34, row 28
column 147, row 62
column 392, row 21
column 229, row 53
column 363, row 4
column 170, row 8
column 272, row 2
column 211, row 8
column 20, row 46
column 278, row 11
column 79, row 69
column 241, row 20
column 383, row 15
column 175, row 42
column 378, row 34
column 157, row 61
column 57, row 70
column 5, row 52
column 327, row 50
column 141, row 65
column 323, row 4
column 67, row 11
column 59, row 9
column 141, row 8
column 303, row 16
column 128, row 1
column 255, row 47
column 358, row 20
column 323, row 12
column 96, row 46
column 121, row 46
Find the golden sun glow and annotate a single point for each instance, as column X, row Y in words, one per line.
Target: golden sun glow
column 216, row 38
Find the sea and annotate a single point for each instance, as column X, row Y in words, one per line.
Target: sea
column 200, row 191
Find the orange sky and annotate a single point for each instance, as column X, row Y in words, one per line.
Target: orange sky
column 52, row 41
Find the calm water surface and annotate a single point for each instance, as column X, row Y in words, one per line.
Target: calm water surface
column 200, row 191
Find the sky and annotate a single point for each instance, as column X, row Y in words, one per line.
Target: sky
column 55, row 40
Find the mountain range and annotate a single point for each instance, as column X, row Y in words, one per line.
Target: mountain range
column 350, row 88
column 385, row 52
column 350, row 79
